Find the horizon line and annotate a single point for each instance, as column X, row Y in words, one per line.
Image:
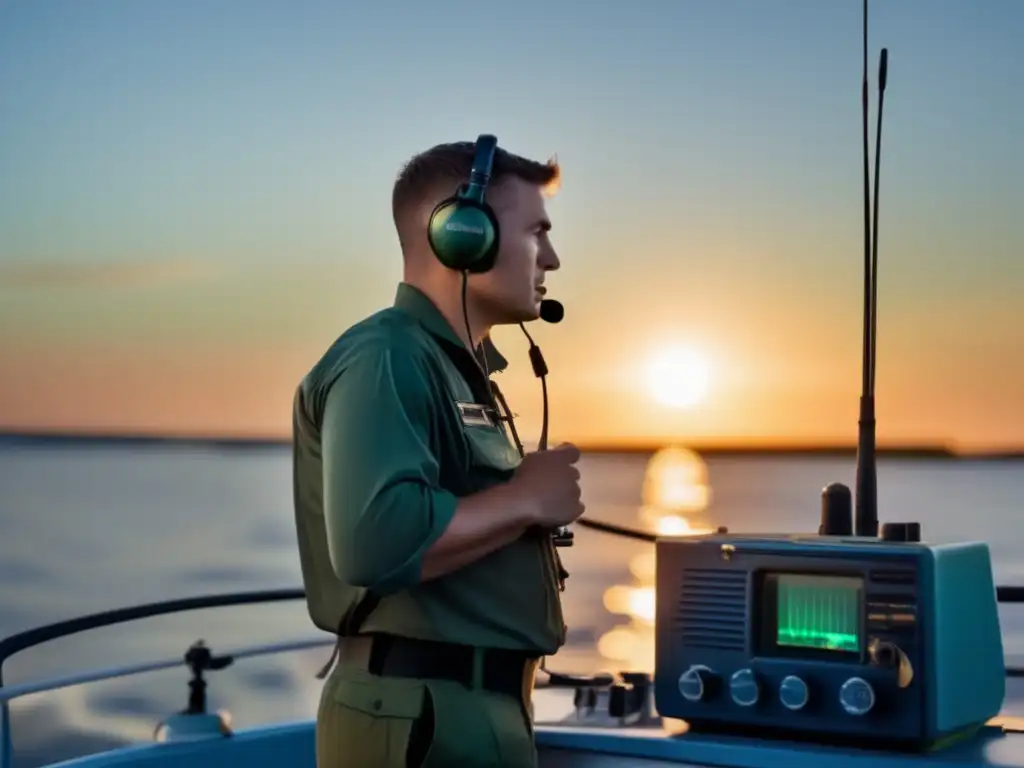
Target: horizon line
column 760, row 447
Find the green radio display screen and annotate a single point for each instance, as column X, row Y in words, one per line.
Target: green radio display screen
column 819, row 612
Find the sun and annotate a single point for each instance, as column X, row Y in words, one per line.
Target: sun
column 678, row 377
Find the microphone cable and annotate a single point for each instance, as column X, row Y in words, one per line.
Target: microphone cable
column 562, row 536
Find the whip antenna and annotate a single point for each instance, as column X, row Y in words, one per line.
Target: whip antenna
column 866, row 517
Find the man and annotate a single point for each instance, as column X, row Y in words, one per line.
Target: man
column 441, row 580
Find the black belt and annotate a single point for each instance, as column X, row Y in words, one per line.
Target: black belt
column 502, row 670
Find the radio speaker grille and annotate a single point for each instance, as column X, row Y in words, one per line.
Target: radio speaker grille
column 713, row 609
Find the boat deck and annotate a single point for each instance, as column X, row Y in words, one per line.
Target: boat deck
column 292, row 745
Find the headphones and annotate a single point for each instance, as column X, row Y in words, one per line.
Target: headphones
column 463, row 230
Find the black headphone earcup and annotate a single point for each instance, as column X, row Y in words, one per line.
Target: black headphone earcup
column 464, row 234
column 490, row 255
column 435, row 224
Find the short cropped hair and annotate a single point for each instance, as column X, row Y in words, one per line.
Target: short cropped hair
column 439, row 171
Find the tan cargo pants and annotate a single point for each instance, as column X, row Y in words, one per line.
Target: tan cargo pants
column 366, row 721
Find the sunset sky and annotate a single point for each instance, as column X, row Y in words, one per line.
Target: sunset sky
column 194, row 202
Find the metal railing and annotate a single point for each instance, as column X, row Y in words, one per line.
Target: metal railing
column 33, row 637
column 21, row 641
column 112, row 673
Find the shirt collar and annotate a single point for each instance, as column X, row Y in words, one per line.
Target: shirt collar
column 413, row 301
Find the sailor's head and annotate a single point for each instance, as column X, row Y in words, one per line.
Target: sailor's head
column 511, row 290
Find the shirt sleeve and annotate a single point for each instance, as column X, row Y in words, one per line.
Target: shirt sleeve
column 383, row 505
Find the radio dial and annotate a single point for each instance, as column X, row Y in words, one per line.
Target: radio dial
column 744, row 688
column 695, row 683
column 857, row 697
column 793, row 693
column 883, row 654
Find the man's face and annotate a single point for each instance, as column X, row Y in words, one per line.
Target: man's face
column 512, row 290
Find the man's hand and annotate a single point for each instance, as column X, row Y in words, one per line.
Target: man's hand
column 543, row 493
column 551, row 483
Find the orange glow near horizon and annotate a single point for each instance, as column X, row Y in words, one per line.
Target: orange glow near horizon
column 124, row 356
column 210, row 390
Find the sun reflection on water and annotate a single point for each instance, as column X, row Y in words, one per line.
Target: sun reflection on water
column 675, row 495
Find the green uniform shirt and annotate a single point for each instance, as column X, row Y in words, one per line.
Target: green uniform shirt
column 397, row 452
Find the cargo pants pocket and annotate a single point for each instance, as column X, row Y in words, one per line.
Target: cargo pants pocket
column 368, row 721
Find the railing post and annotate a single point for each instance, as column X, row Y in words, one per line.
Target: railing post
column 6, row 745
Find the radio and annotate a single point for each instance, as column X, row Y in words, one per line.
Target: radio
column 887, row 639
column 843, row 636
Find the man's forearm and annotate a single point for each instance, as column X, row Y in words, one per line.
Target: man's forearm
column 483, row 523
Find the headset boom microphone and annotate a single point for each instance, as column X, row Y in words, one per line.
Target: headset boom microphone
column 551, row 311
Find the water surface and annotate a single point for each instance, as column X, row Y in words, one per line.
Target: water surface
column 84, row 530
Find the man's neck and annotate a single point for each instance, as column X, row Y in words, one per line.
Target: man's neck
column 449, row 304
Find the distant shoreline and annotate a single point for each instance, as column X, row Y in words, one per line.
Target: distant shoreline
column 836, row 450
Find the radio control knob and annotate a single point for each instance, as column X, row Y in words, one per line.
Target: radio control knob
column 695, row 682
column 744, row 688
column 883, row 654
column 857, row 697
column 793, row 693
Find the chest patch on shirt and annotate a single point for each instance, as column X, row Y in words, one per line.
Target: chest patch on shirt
column 476, row 415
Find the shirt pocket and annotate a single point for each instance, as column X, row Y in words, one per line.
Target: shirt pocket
column 492, row 457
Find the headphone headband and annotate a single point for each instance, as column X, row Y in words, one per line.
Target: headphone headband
column 480, row 173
